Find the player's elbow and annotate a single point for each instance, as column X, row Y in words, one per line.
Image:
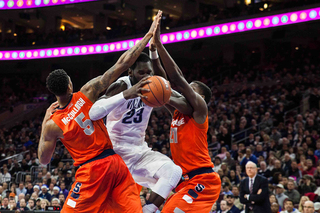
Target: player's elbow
column 94, row 113
column 44, row 161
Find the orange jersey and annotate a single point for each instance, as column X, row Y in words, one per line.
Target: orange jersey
column 83, row 138
column 188, row 143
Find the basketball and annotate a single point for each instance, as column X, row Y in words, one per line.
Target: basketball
column 160, row 91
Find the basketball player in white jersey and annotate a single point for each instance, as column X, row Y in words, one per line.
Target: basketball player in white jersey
column 127, row 120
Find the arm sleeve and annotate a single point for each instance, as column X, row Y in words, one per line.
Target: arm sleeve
column 103, row 107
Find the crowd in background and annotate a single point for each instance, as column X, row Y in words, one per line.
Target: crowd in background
column 207, row 14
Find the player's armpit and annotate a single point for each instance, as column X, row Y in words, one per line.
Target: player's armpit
column 47, row 143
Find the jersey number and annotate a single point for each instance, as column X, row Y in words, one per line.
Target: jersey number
column 86, row 125
column 173, row 135
column 136, row 119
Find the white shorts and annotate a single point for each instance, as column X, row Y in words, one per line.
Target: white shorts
column 142, row 162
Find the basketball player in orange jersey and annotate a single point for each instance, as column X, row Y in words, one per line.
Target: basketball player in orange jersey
column 103, row 182
column 201, row 186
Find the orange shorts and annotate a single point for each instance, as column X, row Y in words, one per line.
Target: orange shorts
column 103, row 185
column 195, row 195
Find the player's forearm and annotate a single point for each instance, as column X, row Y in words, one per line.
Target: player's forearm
column 104, row 106
column 44, row 156
column 169, row 64
column 126, row 60
column 156, row 64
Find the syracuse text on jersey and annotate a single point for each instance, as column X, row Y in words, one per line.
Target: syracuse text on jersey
column 178, row 122
column 80, row 102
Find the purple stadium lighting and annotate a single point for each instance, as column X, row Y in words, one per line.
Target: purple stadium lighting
column 186, row 35
column 25, row 4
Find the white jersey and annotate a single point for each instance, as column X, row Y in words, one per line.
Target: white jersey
column 128, row 122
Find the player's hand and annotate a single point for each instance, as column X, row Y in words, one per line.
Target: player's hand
column 259, row 191
column 52, row 108
column 155, row 23
column 156, row 34
column 137, row 89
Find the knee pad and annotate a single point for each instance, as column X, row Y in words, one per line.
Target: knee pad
column 168, row 177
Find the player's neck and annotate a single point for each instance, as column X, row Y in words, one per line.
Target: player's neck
column 63, row 100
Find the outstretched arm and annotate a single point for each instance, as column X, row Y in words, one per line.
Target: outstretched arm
column 49, row 134
column 198, row 104
column 97, row 85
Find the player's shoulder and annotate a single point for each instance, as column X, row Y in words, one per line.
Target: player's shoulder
column 53, row 129
column 116, row 87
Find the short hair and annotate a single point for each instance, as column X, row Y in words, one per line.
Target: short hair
column 205, row 90
column 57, row 82
column 55, row 199
column 143, row 57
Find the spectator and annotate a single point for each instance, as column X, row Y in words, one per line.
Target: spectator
column 235, row 192
column 230, row 203
column 56, row 192
column 263, row 170
column 306, row 185
column 280, row 195
column 288, row 205
column 226, row 188
column 308, row 207
column 55, row 202
column 43, row 204
column 214, row 208
column 248, row 157
column 23, row 205
column 12, row 205
column 294, row 171
column 63, row 189
column 292, row 193
column 317, row 152
column 6, row 175
column 275, row 207
column 224, row 207
column 21, row 189
column 29, row 189
column 31, row 204
column 217, row 164
column 36, row 189
column 303, row 199
column 5, row 204
column 44, row 193
column 62, row 199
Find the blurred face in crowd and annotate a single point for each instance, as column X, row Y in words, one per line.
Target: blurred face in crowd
column 279, row 190
column 274, row 207
column 143, row 200
column 12, row 204
column 309, row 163
column 61, row 197
column 34, row 196
column 272, row 199
column 288, row 206
column 235, row 191
column 55, row 203
column 43, row 204
column 277, row 164
column 214, row 207
column 290, row 185
column 23, row 203
column 223, row 205
column 251, row 169
column 31, row 203
column 230, row 200
column 308, row 207
column 5, row 202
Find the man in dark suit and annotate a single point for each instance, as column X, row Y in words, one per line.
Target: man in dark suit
column 254, row 191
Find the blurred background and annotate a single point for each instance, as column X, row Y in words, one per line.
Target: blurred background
column 265, row 84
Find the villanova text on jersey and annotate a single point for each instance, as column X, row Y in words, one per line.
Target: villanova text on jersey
column 135, row 104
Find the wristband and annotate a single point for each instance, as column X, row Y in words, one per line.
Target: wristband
column 153, row 54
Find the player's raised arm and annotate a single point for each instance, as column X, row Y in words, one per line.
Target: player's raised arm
column 175, row 75
column 97, row 85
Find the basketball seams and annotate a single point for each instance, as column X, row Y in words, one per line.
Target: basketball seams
column 163, row 90
column 154, row 95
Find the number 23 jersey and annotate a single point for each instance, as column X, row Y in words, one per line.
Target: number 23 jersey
column 127, row 123
column 83, row 138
